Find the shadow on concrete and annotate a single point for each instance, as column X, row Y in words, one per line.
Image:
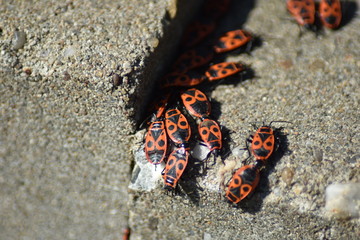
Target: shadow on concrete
column 349, row 10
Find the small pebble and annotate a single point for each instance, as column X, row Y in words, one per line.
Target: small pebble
column 126, row 67
column 207, row 236
column 69, row 52
column 67, row 76
column 343, row 200
column 154, row 42
column 287, row 175
column 19, row 40
column 145, row 176
column 200, row 152
column 116, row 80
column 99, row 73
column 318, row 154
column 172, row 9
column 27, row 70
column 298, row 189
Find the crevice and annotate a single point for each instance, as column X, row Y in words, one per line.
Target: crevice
column 158, row 61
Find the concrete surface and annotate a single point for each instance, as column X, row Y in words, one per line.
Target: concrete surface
column 311, row 81
column 65, row 147
column 67, row 140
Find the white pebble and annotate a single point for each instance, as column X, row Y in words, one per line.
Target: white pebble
column 145, row 176
column 126, row 67
column 200, row 152
column 19, row 39
column 69, row 52
column 343, row 200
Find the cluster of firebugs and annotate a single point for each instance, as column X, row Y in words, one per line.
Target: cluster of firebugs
column 169, row 127
column 304, row 12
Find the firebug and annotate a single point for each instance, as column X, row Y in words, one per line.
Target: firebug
column 232, row 40
column 156, row 142
column 160, row 104
column 197, row 31
column 263, row 142
column 211, row 135
column 196, row 102
column 330, row 13
column 223, row 70
column 243, row 182
column 303, row 11
column 175, row 167
column 177, row 127
column 193, row 58
column 189, row 79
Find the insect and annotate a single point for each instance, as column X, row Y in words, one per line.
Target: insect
column 126, row 233
column 175, row 167
column 156, row 142
column 188, row 79
column 303, row 11
column 196, row 102
column 243, row 182
column 223, row 70
column 263, row 143
column 187, row 71
column 330, row 13
column 210, row 133
column 216, row 8
column 193, row 78
column 177, row 127
column 116, row 81
column 232, row 40
column 159, row 105
column 193, row 58
column 197, row 31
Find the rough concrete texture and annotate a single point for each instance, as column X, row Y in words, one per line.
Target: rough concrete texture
column 64, row 139
column 66, row 152
column 311, row 81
